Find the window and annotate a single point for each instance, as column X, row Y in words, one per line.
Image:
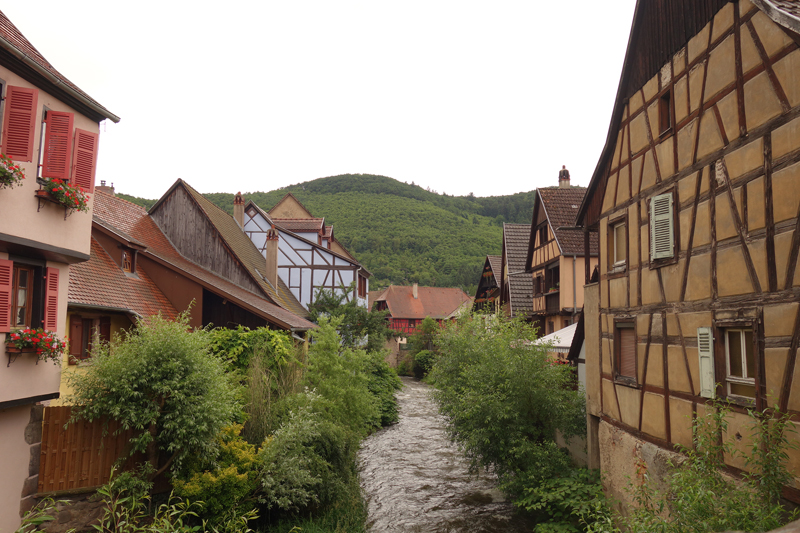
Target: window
column 362, row 286
column 665, row 113
column 84, row 332
column 625, row 351
column 22, row 296
column 57, row 133
column 539, row 285
column 662, row 238
column 28, row 295
column 542, row 231
column 740, row 363
column 551, row 327
column 19, row 118
column 617, row 245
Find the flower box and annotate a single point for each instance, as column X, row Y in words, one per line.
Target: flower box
column 44, row 344
column 13, row 352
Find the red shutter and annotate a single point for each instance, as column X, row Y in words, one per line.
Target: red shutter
column 84, row 162
column 6, row 287
column 19, row 122
column 57, row 145
column 51, row 300
column 75, row 338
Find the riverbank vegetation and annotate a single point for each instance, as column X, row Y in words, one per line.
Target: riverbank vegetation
column 244, row 422
column 504, row 400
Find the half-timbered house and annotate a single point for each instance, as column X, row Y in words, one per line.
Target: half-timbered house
column 302, row 251
column 556, row 258
column 487, row 295
column 695, row 199
column 49, row 129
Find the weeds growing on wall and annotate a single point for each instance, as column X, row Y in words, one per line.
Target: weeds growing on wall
column 700, row 498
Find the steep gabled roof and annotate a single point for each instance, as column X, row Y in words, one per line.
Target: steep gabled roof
column 435, row 302
column 241, row 246
column 289, row 198
column 660, row 28
column 301, row 225
column 21, row 56
column 134, row 221
column 488, row 284
column 99, row 283
column 520, row 283
column 560, row 207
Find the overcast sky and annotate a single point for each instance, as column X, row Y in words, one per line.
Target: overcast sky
column 459, row 96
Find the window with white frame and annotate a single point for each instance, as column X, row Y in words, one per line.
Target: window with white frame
column 740, row 363
column 617, row 245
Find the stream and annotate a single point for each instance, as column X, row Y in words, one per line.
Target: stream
column 415, row 480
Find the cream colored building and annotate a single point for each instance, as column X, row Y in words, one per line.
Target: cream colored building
column 45, row 120
column 695, row 199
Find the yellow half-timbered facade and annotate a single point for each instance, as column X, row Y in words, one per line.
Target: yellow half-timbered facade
column 695, row 201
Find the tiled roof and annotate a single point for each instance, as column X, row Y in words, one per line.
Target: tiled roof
column 300, row 225
column 435, row 302
column 561, row 207
column 784, row 12
column 13, row 37
column 134, row 220
column 515, row 244
column 496, row 262
column 246, row 252
column 99, row 282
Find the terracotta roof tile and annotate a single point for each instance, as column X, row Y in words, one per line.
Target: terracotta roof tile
column 515, row 244
column 435, row 302
column 300, row 225
column 99, row 282
column 12, row 35
column 134, row 221
column 561, row 208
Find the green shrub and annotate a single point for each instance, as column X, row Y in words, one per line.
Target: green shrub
column 224, row 483
column 504, row 400
column 423, row 362
column 382, row 383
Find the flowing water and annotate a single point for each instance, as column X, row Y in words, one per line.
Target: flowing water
column 415, row 480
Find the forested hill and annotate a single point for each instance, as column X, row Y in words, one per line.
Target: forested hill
column 403, row 233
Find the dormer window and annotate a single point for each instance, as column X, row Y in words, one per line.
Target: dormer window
column 127, row 264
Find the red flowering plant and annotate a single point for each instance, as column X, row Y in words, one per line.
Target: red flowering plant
column 10, row 173
column 46, row 344
column 67, row 195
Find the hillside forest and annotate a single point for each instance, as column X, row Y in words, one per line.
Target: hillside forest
column 402, row 233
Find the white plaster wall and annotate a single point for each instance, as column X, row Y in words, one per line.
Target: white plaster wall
column 15, row 463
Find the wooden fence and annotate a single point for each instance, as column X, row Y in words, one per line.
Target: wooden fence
column 79, row 456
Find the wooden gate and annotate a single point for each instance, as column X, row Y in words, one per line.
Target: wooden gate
column 78, row 456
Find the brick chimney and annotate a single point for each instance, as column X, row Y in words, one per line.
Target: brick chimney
column 105, row 188
column 271, row 272
column 238, row 209
column 415, row 291
column 563, row 177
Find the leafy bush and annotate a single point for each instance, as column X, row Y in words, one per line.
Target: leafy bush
column 504, row 400
column 382, row 383
column 159, row 379
column 225, row 483
column 568, row 503
column 699, row 498
column 238, row 346
column 423, row 362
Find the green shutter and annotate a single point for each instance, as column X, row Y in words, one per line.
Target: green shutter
column 705, row 349
column 662, row 240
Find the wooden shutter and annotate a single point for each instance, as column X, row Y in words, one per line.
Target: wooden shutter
column 19, row 122
column 84, row 161
column 661, row 222
column 705, row 349
column 51, row 300
column 75, row 338
column 627, row 352
column 6, row 288
column 57, row 145
column 105, row 328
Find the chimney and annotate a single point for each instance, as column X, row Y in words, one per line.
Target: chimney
column 271, row 250
column 563, row 177
column 414, row 291
column 105, row 188
column 238, row 209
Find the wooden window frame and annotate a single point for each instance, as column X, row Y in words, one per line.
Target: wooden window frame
column 722, row 362
column 37, row 296
column 99, row 328
column 542, row 232
column 625, row 323
column 666, row 114
column 616, row 266
column 675, row 229
column 15, row 288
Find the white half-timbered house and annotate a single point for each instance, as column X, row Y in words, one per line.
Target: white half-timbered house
column 303, row 254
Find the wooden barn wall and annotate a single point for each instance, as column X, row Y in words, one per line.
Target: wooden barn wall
column 731, row 160
column 197, row 239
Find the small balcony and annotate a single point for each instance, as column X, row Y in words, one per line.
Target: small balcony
column 547, row 303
